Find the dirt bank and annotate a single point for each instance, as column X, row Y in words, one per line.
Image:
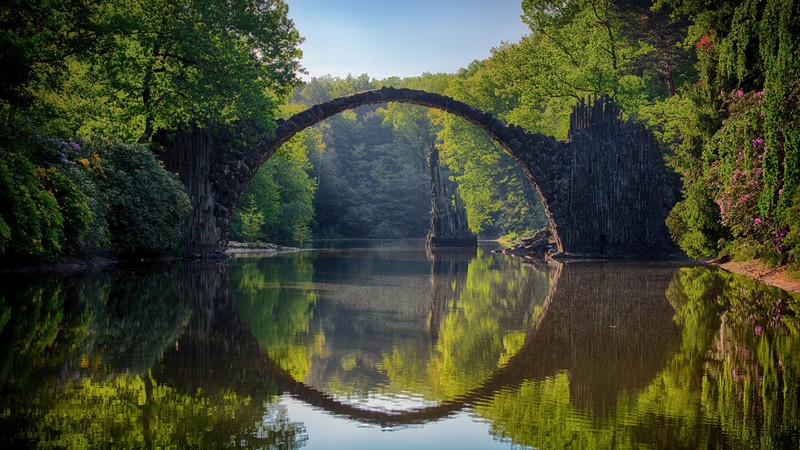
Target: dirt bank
column 779, row 276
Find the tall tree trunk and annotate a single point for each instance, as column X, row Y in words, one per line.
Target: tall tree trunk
column 188, row 153
column 670, row 79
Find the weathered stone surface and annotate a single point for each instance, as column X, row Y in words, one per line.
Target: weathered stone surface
column 449, row 226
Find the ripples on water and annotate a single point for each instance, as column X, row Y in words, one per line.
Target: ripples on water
column 380, row 345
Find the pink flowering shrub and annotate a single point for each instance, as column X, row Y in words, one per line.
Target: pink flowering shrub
column 738, row 154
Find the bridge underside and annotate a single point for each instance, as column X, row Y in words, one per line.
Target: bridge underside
column 605, row 190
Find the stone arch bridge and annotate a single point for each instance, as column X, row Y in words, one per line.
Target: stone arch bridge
column 605, row 190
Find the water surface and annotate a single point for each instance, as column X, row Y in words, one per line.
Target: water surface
column 384, row 345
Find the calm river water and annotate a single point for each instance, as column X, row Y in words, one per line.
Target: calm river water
column 378, row 345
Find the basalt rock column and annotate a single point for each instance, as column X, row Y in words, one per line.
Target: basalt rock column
column 449, row 227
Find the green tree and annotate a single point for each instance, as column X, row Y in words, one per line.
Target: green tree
column 252, row 220
column 740, row 112
column 283, row 193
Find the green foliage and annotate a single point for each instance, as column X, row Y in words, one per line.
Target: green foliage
column 37, row 36
column 694, row 222
column 30, row 213
column 371, row 176
column 732, row 133
column 80, row 199
column 5, row 235
column 155, row 65
column 252, row 220
column 73, row 207
column 120, row 71
column 282, row 193
column 146, row 204
column 506, row 205
column 738, row 158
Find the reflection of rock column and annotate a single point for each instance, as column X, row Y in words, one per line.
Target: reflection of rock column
column 213, row 337
column 448, row 277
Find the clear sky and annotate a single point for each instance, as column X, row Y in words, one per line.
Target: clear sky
column 384, row 38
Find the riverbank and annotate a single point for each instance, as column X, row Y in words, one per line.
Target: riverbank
column 539, row 245
column 70, row 265
column 246, row 248
column 775, row 276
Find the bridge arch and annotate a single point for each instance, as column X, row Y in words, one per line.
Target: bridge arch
column 605, row 191
column 512, row 138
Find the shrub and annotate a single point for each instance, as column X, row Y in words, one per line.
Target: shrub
column 694, row 222
column 32, row 225
column 146, row 204
column 72, row 205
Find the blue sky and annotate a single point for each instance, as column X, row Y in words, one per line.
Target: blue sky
column 402, row 38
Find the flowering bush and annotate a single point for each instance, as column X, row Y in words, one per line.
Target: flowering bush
column 66, row 198
column 748, row 163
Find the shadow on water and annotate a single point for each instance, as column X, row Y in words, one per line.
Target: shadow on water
column 596, row 355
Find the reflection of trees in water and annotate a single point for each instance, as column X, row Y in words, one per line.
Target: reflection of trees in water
column 136, row 315
column 94, row 322
column 486, row 310
column 725, row 385
column 751, row 379
column 276, row 299
column 39, row 323
column 371, row 339
column 108, row 392
column 217, row 363
column 610, row 361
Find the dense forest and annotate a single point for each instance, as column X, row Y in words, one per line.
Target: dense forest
column 90, row 90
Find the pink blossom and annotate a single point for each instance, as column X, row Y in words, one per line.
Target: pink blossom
column 757, row 142
column 740, row 93
column 757, row 330
column 758, row 94
column 757, row 221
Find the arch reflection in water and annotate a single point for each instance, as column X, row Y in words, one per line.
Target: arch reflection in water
column 403, row 329
column 492, row 324
column 593, row 355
